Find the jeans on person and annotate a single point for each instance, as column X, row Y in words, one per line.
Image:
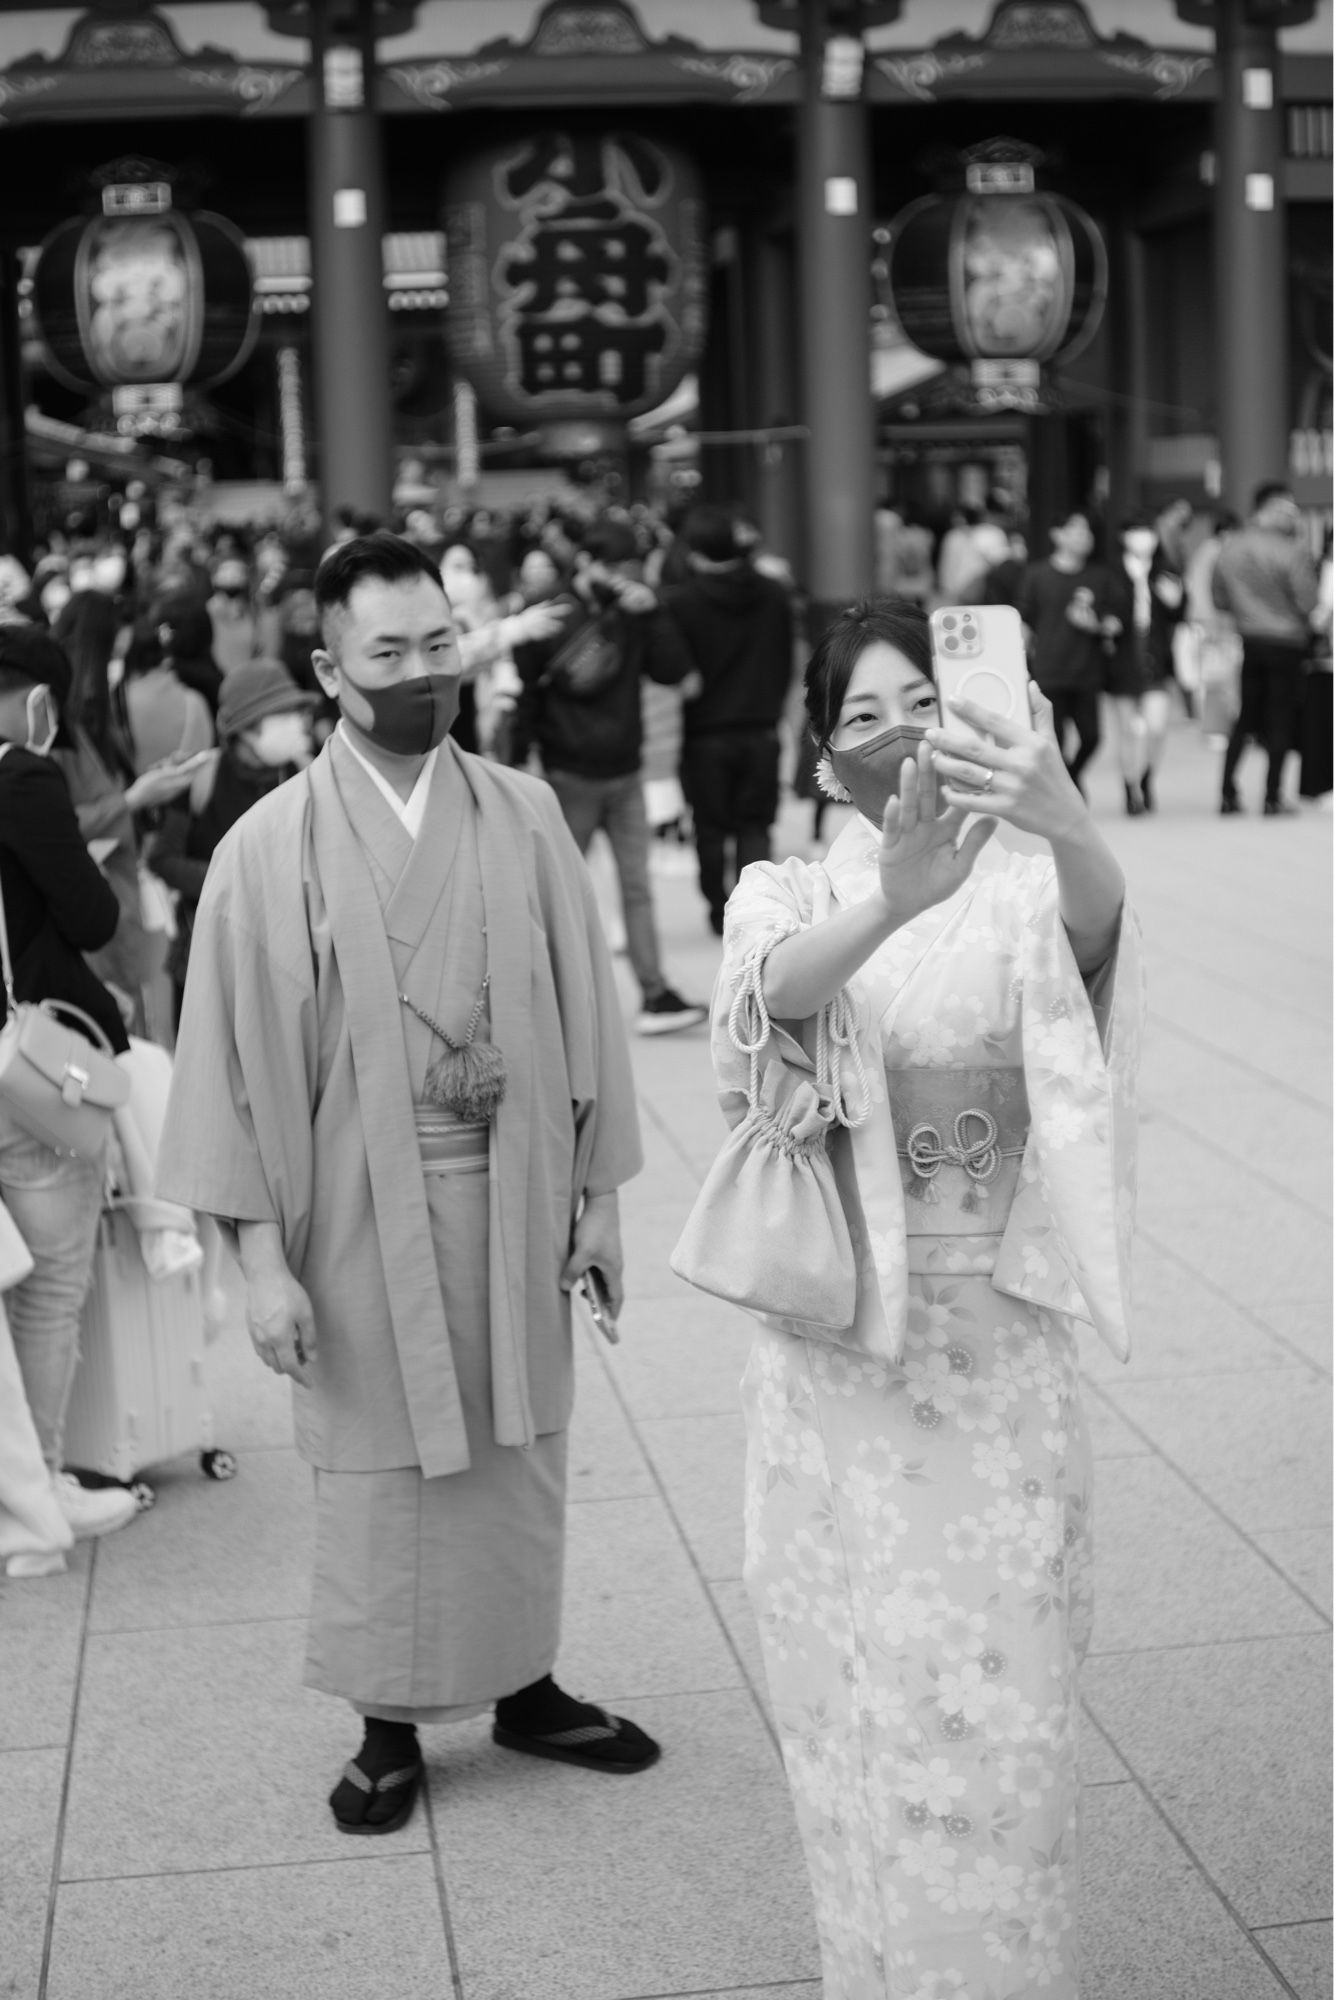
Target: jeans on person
column 1271, row 702
column 55, row 1203
column 616, row 805
column 730, row 779
column 1079, row 706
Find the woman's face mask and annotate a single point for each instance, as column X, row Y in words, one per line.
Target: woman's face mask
column 281, row 739
column 43, row 721
column 409, row 717
column 869, row 772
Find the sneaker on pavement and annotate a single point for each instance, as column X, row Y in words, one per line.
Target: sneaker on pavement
column 93, row 1513
column 667, row 1011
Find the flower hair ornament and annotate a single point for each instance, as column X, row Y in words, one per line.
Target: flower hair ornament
column 828, row 783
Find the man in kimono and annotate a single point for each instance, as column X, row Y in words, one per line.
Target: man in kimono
column 402, row 1079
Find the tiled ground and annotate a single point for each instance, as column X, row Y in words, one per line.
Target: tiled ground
column 162, row 1774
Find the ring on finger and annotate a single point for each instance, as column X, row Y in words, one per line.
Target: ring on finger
column 987, row 782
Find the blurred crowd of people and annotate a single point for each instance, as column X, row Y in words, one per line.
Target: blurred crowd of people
column 1229, row 620
column 155, row 686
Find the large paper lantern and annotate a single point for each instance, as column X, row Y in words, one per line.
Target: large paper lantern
column 126, row 300
column 1002, row 277
column 576, row 280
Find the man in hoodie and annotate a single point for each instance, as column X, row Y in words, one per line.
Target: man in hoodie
column 737, row 628
column 580, row 702
column 1266, row 582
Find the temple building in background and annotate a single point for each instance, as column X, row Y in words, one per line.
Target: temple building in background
column 799, row 255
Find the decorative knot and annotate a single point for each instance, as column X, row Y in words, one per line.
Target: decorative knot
column 974, row 1149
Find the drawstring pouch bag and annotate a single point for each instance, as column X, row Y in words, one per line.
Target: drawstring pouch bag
column 767, row 1231
column 62, row 1086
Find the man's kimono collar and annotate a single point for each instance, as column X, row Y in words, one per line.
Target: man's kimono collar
column 361, row 943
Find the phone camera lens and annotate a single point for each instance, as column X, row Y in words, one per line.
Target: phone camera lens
column 951, row 645
column 949, row 623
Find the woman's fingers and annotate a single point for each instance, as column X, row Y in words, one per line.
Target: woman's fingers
column 967, row 771
column 989, row 722
column 909, row 793
column 926, row 784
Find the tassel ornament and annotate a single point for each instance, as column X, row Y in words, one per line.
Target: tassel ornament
column 469, row 1081
column 469, row 1078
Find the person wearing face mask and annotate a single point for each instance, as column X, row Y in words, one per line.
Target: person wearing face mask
column 402, row 1081
column 235, row 628
column 264, row 724
column 918, row 1483
column 1266, row 582
column 58, row 906
column 1146, row 602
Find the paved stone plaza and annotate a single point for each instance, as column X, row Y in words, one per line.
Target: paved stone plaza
column 163, row 1831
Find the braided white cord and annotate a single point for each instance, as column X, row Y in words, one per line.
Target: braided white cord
column 835, row 1040
column 749, row 1028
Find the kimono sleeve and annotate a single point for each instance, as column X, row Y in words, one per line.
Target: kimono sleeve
column 608, row 1150
column 771, row 901
column 236, row 1142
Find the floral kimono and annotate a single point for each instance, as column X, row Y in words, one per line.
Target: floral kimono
column 917, row 1488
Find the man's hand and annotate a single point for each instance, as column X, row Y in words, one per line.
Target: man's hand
column 597, row 1240
column 279, row 1315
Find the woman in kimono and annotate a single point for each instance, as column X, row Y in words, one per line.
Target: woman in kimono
column 917, row 1488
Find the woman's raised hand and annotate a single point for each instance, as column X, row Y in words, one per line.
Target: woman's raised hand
column 922, row 859
column 1018, row 775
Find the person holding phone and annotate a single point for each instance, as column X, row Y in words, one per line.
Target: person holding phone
column 918, row 1498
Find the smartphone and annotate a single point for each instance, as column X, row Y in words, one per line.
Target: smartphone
column 978, row 653
column 191, row 763
column 598, row 1300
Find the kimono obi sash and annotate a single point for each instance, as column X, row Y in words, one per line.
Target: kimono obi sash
column 448, row 1145
column 960, row 1136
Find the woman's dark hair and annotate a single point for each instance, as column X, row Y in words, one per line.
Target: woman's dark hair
column 86, row 630
column 890, row 621
column 385, row 557
column 186, row 617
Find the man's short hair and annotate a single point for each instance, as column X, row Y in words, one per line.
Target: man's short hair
column 1267, row 490
column 383, row 557
column 711, row 532
column 609, row 541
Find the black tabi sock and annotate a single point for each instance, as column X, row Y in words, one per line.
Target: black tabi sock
column 543, row 1709
column 389, row 1746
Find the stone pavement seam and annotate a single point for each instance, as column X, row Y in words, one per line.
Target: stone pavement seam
column 1102, row 1392
column 696, row 1570
column 1161, row 1024
column 1285, row 1194
column 1206, row 1283
column 1196, row 1863
column 660, row 1125
column 442, row 1893
column 721, row 1992
column 58, row 1843
column 352, row 1859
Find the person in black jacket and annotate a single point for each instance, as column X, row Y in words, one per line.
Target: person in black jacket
column 580, row 702
column 737, row 628
column 57, row 906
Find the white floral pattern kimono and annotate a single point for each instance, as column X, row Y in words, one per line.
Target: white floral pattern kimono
column 917, row 1507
